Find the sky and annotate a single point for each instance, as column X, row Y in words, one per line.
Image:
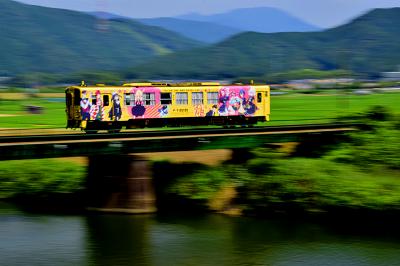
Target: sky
column 322, row 13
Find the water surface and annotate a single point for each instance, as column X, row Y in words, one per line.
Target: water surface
column 38, row 239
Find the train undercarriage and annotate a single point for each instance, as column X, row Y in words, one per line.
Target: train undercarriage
column 93, row 126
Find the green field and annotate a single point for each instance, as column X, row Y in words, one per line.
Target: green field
column 14, row 115
column 318, row 108
column 295, row 108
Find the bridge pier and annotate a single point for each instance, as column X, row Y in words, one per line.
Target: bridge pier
column 241, row 155
column 120, row 183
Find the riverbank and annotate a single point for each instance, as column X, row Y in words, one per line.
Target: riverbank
column 45, row 185
column 292, row 187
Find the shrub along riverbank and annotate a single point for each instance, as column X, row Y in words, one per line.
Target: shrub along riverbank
column 359, row 174
column 50, row 184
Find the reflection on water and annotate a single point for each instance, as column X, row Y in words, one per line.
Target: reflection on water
column 118, row 239
column 41, row 240
column 28, row 239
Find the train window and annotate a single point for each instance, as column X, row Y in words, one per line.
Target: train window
column 197, row 98
column 166, row 98
column 106, row 100
column 181, row 98
column 259, row 97
column 212, row 97
column 129, row 99
column 94, row 100
column 149, row 98
column 77, row 97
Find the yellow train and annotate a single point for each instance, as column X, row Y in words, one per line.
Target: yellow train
column 101, row 107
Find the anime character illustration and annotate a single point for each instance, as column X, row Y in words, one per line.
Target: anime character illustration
column 138, row 110
column 115, row 112
column 223, row 100
column 213, row 111
column 243, row 102
column 234, row 104
column 199, row 110
column 85, row 106
column 163, row 111
column 96, row 111
column 251, row 107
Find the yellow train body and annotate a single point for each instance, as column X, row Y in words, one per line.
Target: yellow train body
column 162, row 104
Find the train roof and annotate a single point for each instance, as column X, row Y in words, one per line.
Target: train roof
column 162, row 84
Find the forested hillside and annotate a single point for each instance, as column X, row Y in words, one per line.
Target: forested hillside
column 368, row 45
column 43, row 39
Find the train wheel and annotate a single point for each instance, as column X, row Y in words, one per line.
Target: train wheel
column 91, row 131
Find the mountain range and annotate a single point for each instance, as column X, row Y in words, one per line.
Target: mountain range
column 39, row 39
column 44, row 39
column 369, row 44
column 217, row 27
column 203, row 31
column 258, row 19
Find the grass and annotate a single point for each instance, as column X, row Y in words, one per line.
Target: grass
column 305, row 109
column 53, row 115
column 293, row 108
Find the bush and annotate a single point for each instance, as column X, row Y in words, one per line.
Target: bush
column 39, row 177
column 378, row 113
column 360, row 174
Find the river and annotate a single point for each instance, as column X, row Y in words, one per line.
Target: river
column 104, row 239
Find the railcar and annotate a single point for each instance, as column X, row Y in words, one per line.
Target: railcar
column 138, row 105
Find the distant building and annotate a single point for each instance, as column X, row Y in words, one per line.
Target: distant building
column 391, row 76
column 362, row 92
column 320, row 83
column 4, row 81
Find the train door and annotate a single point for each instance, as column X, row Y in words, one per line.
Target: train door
column 77, row 105
column 69, row 109
column 166, row 104
column 268, row 103
column 260, row 103
column 112, row 112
